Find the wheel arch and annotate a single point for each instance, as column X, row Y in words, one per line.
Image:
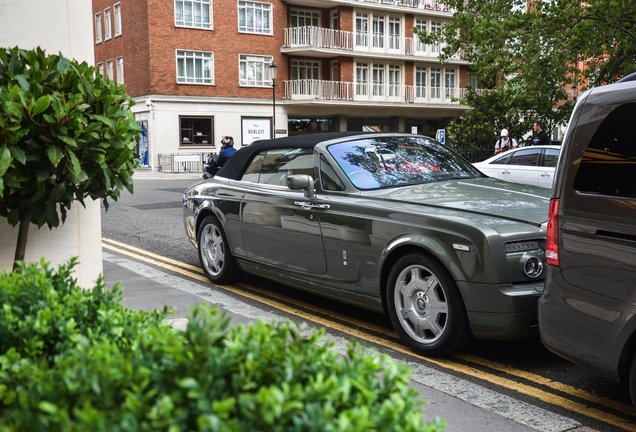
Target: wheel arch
column 401, row 247
column 628, row 353
column 205, row 210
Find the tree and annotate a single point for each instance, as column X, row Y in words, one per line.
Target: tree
column 533, row 48
column 65, row 135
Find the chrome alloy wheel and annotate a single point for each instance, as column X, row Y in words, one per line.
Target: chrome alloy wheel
column 212, row 249
column 421, row 304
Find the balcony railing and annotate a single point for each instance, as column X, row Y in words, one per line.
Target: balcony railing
column 367, row 92
column 318, row 37
column 413, row 4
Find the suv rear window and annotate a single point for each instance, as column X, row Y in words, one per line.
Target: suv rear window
column 608, row 166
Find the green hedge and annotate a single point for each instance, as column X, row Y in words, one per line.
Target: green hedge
column 75, row 360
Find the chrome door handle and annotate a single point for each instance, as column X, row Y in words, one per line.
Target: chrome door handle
column 546, row 175
column 310, row 206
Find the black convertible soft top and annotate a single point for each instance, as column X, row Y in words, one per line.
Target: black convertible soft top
column 237, row 164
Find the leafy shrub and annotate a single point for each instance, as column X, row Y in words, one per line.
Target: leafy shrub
column 111, row 369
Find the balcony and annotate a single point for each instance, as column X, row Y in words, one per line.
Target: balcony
column 405, row 6
column 321, row 90
column 324, row 42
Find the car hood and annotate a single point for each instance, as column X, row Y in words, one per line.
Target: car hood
column 482, row 196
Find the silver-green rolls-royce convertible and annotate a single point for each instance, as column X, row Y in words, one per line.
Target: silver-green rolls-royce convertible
column 391, row 222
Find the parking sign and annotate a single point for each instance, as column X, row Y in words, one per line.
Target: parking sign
column 441, row 135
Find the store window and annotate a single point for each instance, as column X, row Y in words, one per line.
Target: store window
column 196, row 131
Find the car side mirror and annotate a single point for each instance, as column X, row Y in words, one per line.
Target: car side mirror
column 301, row 182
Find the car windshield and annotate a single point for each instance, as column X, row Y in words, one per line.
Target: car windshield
column 382, row 162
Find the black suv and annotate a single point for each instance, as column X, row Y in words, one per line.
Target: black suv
column 587, row 312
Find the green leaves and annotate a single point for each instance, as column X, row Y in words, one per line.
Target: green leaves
column 75, row 359
column 59, row 124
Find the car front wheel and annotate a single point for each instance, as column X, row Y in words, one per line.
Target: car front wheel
column 425, row 306
column 214, row 253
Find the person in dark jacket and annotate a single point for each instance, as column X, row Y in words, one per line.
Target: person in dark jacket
column 539, row 137
column 227, row 150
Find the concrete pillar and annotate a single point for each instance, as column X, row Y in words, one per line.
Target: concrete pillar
column 397, row 124
column 339, row 123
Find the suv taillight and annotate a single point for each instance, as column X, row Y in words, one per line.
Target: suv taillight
column 552, row 235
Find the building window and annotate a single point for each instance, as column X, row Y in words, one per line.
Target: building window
column 302, row 18
column 255, row 17
column 117, row 8
column 107, row 29
column 254, row 71
column 420, row 82
column 435, row 28
column 109, row 69
column 120, row 70
column 303, row 69
column 335, row 76
column 100, row 69
column 395, row 79
column 394, row 33
column 378, row 79
column 362, row 29
column 98, row 27
column 378, row 31
column 196, row 130
column 421, row 28
column 362, row 79
column 195, row 67
column 192, row 13
column 436, row 83
column 449, row 81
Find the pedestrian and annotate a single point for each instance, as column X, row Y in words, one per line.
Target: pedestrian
column 227, row 150
column 539, row 137
column 505, row 142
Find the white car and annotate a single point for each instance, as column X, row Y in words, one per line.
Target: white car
column 532, row 165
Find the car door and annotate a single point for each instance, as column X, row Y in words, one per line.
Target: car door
column 548, row 164
column 279, row 229
column 522, row 167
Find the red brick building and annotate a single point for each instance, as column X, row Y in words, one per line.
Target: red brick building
column 200, row 69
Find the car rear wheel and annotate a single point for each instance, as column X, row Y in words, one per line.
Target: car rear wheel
column 425, row 306
column 214, row 253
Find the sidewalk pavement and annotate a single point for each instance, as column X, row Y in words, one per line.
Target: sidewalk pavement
column 466, row 406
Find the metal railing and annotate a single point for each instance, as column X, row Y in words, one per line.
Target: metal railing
column 413, row 4
column 181, row 162
column 324, row 38
column 368, row 92
column 475, row 154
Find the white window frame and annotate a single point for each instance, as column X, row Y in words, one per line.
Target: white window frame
column 117, row 10
column 120, row 70
column 436, row 26
column 394, row 33
column 422, row 85
column 108, row 30
column 255, row 62
column 310, row 67
column 378, row 32
column 109, row 69
column 422, row 26
column 98, row 27
column 100, row 69
column 362, row 29
column 305, row 15
column 198, row 60
column 378, row 77
column 362, row 85
column 435, row 91
column 192, row 20
column 256, row 9
column 450, row 74
column 394, row 80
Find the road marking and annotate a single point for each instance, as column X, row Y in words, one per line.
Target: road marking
column 457, row 367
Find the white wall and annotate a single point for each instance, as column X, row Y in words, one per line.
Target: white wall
column 66, row 27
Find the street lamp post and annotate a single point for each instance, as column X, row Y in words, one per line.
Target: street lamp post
column 575, row 92
column 273, row 69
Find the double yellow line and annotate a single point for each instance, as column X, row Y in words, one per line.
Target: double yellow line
column 270, row 299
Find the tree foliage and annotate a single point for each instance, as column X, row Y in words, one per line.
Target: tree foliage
column 527, row 52
column 65, row 135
